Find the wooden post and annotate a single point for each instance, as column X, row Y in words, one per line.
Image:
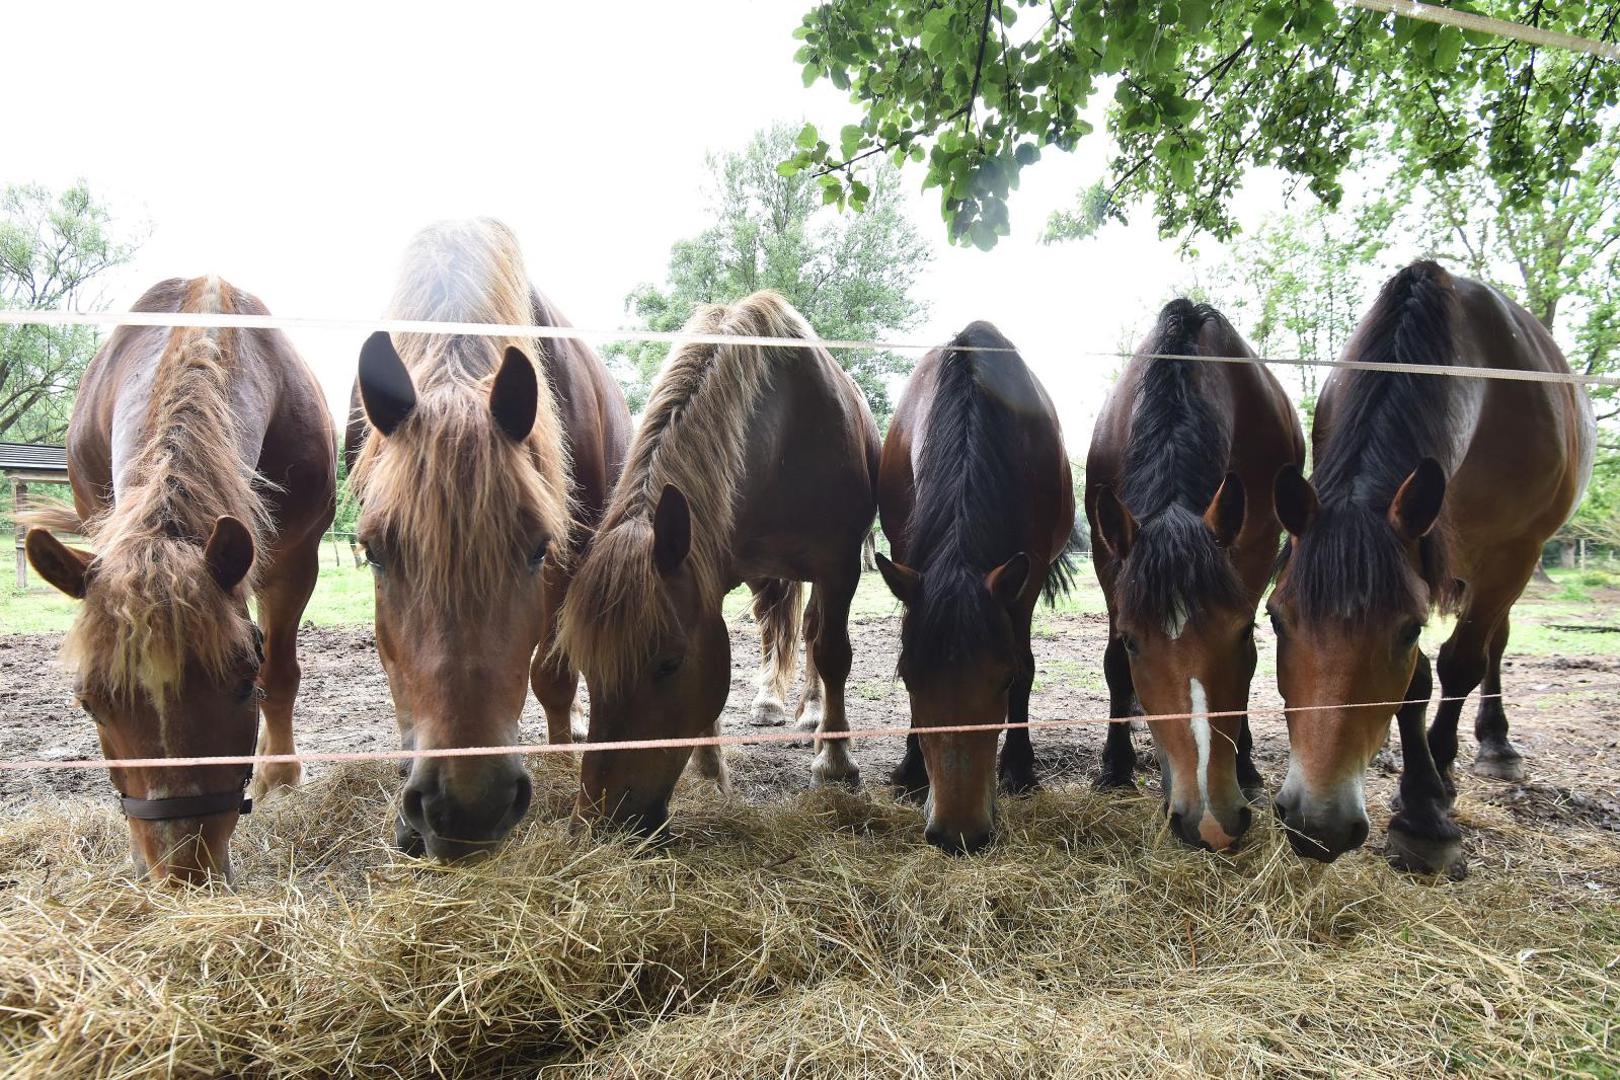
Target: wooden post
column 19, row 502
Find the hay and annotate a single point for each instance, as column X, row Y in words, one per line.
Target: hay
column 810, row 937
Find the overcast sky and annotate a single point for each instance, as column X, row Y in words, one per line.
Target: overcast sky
column 294, row 148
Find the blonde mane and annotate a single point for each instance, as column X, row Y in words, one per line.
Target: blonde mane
column 692, row 436
column 456, row 493
column 151, row 603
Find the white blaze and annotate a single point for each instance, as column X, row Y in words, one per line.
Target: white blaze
column 1200, row 733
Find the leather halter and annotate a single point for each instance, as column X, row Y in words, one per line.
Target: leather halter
column 194, row 806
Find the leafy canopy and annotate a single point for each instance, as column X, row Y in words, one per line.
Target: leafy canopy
column 973, row 91
column 852, row 276
column 53, row 248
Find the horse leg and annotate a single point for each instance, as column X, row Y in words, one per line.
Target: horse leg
column 552, row 677
column 1119, row 756
column 1422, row 836
column 281, row 606
column 1017, row 753
column 834, row 763
column 812, row 703
column 1496, row 758
column 776, row 610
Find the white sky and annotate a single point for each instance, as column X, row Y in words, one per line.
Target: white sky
column 294, row 148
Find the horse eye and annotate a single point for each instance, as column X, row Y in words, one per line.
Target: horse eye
column 373, row 558
column 85, row 706
column 667, row 667
column 1130, row 644
column 1410, row 634
column 249, row 690
column 538, row 556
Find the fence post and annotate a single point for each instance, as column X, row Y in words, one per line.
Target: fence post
column 19, row 502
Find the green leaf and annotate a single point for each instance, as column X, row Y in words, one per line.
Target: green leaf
column 811, row 74
column 849, row 140
column 807, row 137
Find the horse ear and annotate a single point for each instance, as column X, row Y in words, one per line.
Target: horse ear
column 1006, row 582
column 1416, row 506
column 62, row 566
column 903, row 581
column 1295, row 499
column 385, row 386
column 1224, row 518
column 229, row 552
column 1115, row 522
column 514, row 400
column 672, row 531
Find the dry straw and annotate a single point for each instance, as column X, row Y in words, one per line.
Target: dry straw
column 809, row 937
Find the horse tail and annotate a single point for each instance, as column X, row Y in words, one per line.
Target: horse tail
column 54, row 516
column 776, row 608
column 1061, row 574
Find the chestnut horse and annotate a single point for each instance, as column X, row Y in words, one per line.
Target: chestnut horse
column 752, row 464
column 489, row 462
column 1430, row 492
column 202, row 469
column 1178, row 494
column 978, row 504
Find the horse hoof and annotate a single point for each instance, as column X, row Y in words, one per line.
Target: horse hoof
column 809, row 720
column 768, row 714
column 826, row 771
column 907, row 789
column 1020, row 784
column 272, row 779
column 1112, row 780
column 1507, row 766
column 1438, row 856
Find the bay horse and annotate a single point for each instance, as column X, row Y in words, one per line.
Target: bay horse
column 977, row 501
column 752, row 464
column 1178, row 497
column 481, row 465
column 1430, row 492
column 202, row 464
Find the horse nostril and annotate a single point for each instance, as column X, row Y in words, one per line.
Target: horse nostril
column 1245, row 818
column 1358, row 834
column 522, row 797
column 411, row 807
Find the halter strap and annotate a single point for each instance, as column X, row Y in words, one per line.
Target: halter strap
column 188, row 806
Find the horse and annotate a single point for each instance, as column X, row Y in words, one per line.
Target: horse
column 1430, row 493
column 1178, row 498
column 481, row 465
column 976, row 498
column 752, row 464
column 202, row 464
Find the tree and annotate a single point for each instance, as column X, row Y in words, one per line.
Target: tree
column 850, row 275
column 974, row 90
column 52, row 249
column 1300, row 282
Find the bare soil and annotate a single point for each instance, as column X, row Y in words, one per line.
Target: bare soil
column 1565, row 716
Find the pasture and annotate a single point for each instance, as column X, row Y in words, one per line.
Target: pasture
column 788, row 931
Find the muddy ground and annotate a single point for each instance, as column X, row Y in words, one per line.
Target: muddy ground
column 1565, row 715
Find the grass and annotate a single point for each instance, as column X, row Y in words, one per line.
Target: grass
column 813, row 936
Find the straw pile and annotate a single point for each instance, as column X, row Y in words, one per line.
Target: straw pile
column 815, row 936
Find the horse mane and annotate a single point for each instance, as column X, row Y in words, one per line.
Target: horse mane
column 962, row 516
column 151, row 603
column 459, row 496
column 691, row 436
column 1174, row 464
column 1350, row 563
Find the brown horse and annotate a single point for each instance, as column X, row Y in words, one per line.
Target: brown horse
column 752, row 464
column 1178, row 494
column 492, row 461
column 978, row 504
column 1430, row 492
column 202, row 468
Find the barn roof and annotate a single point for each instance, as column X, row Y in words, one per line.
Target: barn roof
column 27, row 457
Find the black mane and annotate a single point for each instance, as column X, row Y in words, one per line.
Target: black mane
column 1350, row 563
column 963, row 520
column 1174, row 464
